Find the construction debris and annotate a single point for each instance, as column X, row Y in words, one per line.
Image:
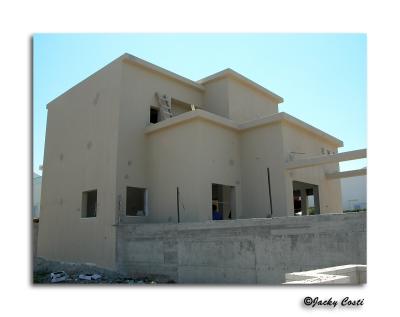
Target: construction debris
column 46, row 271
column 57, row 277
column 89, row 277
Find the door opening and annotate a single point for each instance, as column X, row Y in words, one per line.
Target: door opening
column 305, row 199
column 223, row 202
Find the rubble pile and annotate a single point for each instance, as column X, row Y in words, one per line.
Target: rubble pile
column 54, row 272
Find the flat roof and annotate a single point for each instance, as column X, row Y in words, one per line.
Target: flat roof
column 199, row 84
column 129, row 58
column 230, row 124
column 283, row 116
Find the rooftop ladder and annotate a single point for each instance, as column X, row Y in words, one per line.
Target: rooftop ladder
column 165, row 106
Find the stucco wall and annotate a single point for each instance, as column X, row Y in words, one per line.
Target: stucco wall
column 194, row 154
column 242, row 251
column 137, row 95
column 232, row 99
column 247, row 104
column 262, row 148
column 172, row 155
column 80, row 155
column 216, row 97
column 191, row 156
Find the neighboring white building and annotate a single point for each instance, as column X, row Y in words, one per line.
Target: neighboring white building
column 354, row 192
column 36, row 191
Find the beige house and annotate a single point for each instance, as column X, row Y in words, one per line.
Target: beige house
column 135, row 143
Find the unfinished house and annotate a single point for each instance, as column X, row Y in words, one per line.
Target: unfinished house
column 135, row 143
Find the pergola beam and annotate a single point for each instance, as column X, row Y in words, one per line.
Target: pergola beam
column 352, row 173
column 327, row 159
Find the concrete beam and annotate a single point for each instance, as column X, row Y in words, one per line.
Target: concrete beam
column 327, row 159
column 352, row 173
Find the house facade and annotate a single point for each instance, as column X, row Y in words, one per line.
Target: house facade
column 135, row 143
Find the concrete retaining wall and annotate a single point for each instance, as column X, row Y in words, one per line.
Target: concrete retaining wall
column 242, row 251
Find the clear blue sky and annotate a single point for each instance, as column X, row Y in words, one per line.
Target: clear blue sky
column 322, row 77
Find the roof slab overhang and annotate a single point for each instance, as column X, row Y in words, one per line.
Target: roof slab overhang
column 199, row 114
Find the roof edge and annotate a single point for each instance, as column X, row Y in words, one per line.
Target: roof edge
column 283, row 116
column 145, row 64
column 115, row 61
column 230, row 124
column 228, row 72
column 312, row 129
column 138, row 61
column 191, row 115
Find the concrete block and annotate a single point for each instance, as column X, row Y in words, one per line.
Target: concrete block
column 149, row 251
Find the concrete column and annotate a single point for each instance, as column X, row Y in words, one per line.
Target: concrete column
column 233, row 202
column 226, row 192
column 304, row 202
column 316, row 200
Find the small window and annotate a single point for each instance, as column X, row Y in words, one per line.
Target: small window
column 89, row 204
column 154, row 115
column 136, row 201
column 322, row 150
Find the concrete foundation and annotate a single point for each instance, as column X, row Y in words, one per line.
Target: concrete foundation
column 247, row 251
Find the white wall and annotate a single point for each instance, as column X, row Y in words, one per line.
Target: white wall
column 354, row 192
